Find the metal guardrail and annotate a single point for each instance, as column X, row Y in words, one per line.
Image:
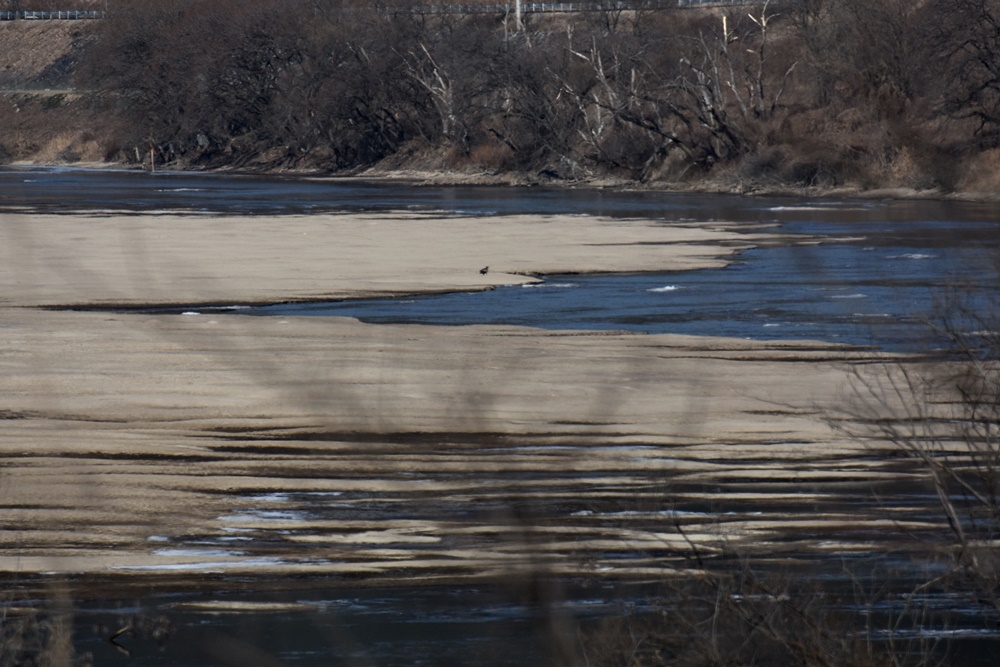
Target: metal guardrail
column 49, row 16
column 544, row 7
column 567, row 7
column 456, row 8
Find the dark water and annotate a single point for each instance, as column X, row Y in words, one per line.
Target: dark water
column 67, row 190
column 431, row 626
column 871, row 273
column 886, row 297
column 385, row 627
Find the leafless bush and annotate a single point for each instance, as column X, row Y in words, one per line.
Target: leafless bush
column 944, row 414
column 739, row 617
column 33, row 637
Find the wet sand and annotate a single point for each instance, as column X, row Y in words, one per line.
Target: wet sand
column 179, row 445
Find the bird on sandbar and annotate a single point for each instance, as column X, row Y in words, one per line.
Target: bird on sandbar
column 483, row 271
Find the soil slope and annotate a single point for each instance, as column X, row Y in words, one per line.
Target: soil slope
column 41, row 54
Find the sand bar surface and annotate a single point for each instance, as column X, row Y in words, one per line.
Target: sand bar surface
column 169, row 445
column 187, row 259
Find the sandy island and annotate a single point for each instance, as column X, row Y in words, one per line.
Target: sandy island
column 180, row 445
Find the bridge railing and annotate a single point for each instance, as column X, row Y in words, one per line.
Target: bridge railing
column 48, row 16
column 555, row 7
column 442, row 8
column 540, row 7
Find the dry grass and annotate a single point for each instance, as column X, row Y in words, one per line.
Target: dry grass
column 981, row 172
column 41, row 53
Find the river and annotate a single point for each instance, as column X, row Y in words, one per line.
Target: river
column 876, row 273
column 865, row 272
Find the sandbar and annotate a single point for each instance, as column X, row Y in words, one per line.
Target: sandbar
column 141, row 445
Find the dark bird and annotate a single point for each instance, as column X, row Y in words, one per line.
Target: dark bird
column 483, row 271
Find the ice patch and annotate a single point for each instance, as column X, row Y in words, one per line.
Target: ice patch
column 206, row 566
column 938, row 633
column 196, row 553
column 263, row 515
column 825, row 206
column 270, row 498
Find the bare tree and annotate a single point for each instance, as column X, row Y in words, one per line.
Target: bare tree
column 966, row 38
column 710, row 104
column 423, row 68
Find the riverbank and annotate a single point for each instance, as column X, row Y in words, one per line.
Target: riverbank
column 417, row 176
column 64, row 84
column 706, row 186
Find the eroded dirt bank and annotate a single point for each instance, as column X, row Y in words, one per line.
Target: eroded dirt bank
column 156, row 444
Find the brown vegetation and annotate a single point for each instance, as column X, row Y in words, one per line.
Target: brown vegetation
column 816, row 93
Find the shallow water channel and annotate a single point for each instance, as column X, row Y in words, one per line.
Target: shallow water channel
column 863, row 272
